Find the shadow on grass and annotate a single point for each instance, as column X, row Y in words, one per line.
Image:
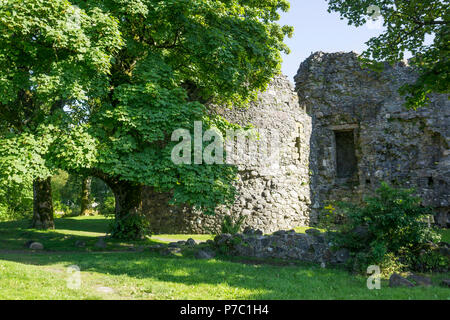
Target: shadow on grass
column 184, row 278
column 90, row 224
column 189, row 278
column 70, row 234
column 227, row 280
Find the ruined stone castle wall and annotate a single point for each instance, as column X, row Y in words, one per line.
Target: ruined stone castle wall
column 342, row 132
column 360, row 112
column 273, row 194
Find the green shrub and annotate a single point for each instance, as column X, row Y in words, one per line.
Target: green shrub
column 330, row 218
column 16, row 202
column 392, row 225
column 62, row 209
column 228, row 226
column 107, row 206
column 132, row 227
column 430, row 260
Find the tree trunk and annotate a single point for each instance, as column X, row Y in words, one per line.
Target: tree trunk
column 85, row 195
column 42, row 204
column 130, row 222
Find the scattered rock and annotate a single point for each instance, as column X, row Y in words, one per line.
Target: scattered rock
column 419, row 280
column 165, row 252
column 445, row 283
column 191, row 242
column 205, row 254
column 174, row 245
column 36, row 246
column 248, row 230
column 155, row 247
column 100, row 243
column 311, row 246
column 342, row 255
column 252, row 232
column 28, row 243
column 175, row 250
column 80, row 244
column 397, row 280
column 222, row 238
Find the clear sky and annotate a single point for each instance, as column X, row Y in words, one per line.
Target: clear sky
column 317, row 30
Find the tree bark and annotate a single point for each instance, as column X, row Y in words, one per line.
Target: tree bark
column 129, row 219
column 128, row 209
column 42, row 204
column 128, row 198
column 85, row 195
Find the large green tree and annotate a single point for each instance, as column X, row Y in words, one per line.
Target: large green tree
column 180, row 57
column 53, row 57
column 407, row 24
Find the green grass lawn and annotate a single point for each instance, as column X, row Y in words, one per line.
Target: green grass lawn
column 114, row 273
column 14, row 234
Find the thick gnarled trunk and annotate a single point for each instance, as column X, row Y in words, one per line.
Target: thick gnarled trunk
column 85, row 195
column 130, row 222
column 42, row 204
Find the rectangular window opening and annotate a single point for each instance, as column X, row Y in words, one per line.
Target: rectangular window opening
column 346, row 163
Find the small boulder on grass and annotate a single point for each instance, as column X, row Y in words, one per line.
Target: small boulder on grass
column 445, row 283
column 166, row 252
column 36, row 246
column 191, row 242
column 205, row 254
column 156, row 247
column 100, row 243
column 419, row 280
column 28, row 243
column 80, row 244
column 174, row 245
column 397, row 280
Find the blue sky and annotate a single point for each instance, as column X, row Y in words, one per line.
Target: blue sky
column 317, row 30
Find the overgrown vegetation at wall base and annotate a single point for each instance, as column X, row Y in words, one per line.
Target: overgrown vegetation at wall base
column 391, row 230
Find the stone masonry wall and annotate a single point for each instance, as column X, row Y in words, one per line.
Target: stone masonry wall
column 271, row 198
column 343, row 132
column 311, row 246
column 402, row 147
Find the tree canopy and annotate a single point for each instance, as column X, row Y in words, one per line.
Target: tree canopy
column 179, row 58
column 54, row 57
column 99, row 86
column 407, row 24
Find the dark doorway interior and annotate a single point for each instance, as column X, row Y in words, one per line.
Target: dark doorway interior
column 345, row 154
